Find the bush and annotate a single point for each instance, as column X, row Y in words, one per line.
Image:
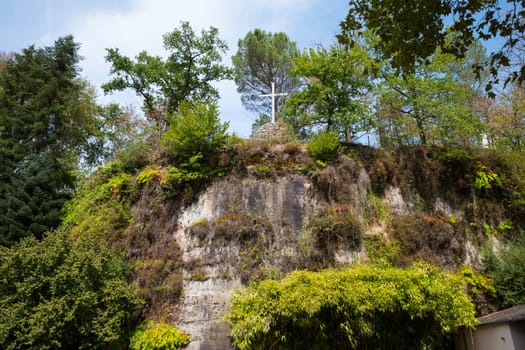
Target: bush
column 363, row 307
column 194, row 129
column 428, row 237
column 158, row 336
column 324, row 146
column 381, row 251
column 64, row 294
column 101, row 207
column 507, row 268
column 336, row 230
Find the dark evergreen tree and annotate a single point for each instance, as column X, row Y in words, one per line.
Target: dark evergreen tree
column 48, row 121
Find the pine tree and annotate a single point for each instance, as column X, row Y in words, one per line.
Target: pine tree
column 47, row 119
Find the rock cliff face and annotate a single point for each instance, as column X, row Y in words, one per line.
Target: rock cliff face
column 278, row 213
column 285, row 204
column 216, row 235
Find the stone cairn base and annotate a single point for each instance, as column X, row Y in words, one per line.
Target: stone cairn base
column 270, row 131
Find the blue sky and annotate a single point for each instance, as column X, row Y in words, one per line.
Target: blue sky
column 136, row 25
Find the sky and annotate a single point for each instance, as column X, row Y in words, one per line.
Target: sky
column 137, row 25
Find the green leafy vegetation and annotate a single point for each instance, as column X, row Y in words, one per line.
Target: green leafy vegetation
column 158, row 336
column 432, row 106
column 195, row 130
column 90, row 195
column 48, row 123
column 186, row 75
column 507, row 268
column 325, row 146
column 411, row 31
column 64, row 293
column 334, row 94
column 356, row 308
column 102, row 206
column 263, row 58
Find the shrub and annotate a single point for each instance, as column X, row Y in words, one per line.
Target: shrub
column 380, row 251
column 338, row 229
column 64, row 294
column 363, row 307
column 158, row 336
column 428, row 237
column 480, row 289
column 324, row 146
column 102, row 206
column 507, row 268
column 195, row 129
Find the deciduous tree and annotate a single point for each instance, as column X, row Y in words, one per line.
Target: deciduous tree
column 507, row 120
column 334, row 95
column 194, row 62
column 431, row 105
column 411, row 31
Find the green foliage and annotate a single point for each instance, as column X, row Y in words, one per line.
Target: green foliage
column 334, row 95
column 484, row 179
column 455, row 156
column 128, row 137
column 147, row 174
column 158, row 336
column 338, row 228
column 320, row 163
column 60, row 293
column 507, row 269
column 480, row 289
column 431, row 106
column 411, row 31
column 363, row 307
column 48, row 123
column 32, row 203
column 195, row 129
column 428, row 237
column 186, row 75
column 476, row 281
column 375, row 210
column 101, row 207
column 262, row 58
column 324, row 146
column 381, row 251
column 507, row 130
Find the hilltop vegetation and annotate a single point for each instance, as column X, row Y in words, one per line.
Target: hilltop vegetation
column 88, row 194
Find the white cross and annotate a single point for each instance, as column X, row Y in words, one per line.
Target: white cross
column 273, row 95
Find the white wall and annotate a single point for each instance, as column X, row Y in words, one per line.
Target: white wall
column 488, row 337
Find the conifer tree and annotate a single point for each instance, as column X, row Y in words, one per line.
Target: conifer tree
column 48, row 121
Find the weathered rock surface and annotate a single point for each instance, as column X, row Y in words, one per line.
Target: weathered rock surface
column 287, row 202
column 215, row 261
